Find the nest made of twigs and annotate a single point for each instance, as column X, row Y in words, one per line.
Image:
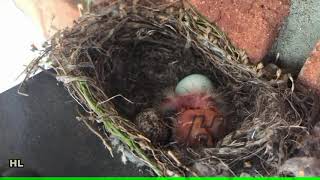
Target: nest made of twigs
column 117, row 60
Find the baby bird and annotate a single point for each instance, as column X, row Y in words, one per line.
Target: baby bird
column 199, row 121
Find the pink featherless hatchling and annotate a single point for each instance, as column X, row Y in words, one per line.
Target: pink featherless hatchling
column 199, row 121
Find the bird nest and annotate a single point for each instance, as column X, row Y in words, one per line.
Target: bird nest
column 123, row 58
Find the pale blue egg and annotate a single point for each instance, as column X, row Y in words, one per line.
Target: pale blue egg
column 194, row 83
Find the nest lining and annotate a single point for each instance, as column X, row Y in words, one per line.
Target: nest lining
column 119, row 60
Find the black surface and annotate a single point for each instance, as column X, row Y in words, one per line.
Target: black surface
column 41, row 129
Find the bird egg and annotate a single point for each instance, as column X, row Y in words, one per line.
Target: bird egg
column 194, row 83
